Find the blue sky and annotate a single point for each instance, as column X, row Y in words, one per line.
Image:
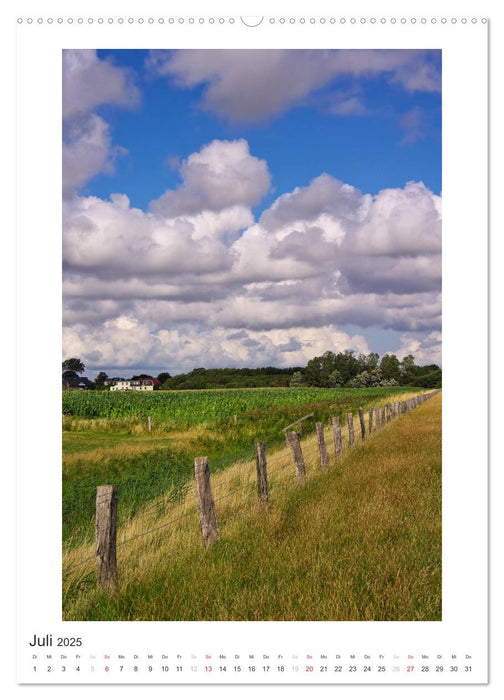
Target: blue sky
column 208, row 192
column 370, row 151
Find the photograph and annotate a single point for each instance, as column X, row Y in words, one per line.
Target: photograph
column 251, row 334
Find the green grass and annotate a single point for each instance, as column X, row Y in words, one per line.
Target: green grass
column 360, row 542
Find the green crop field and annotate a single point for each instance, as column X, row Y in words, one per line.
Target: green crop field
column 208, row 405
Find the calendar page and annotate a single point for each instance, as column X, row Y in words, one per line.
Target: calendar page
column 259, row 244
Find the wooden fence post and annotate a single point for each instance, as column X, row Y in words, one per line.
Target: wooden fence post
column 362, row 423
column 235, row 419
column 377, row 418
column 262, row 476
column 336, row 427
column 106, row 536
column 370, row 421
column 324, row 462
column 149, row 425
column 351, row 437
column 293, row 442
column 383, row 416
column 208, row 520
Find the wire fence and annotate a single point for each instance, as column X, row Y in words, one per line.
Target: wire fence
column 103, row 511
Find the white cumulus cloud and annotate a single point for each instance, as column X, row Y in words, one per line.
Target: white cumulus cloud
column 223, row 174
column 197, row 281
column 89, row 82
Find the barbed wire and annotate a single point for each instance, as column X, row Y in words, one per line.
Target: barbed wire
column 286, row 485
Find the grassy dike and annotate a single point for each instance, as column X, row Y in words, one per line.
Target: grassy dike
column 360, row 542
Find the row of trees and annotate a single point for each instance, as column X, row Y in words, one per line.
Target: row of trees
column 231, row 378
column 345, row 369
column 329, row 370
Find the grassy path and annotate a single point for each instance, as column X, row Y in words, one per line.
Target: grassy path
column 362, row 542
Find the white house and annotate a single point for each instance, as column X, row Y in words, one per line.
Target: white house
column 146, row 384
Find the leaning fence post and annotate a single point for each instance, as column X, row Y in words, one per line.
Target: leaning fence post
column 324, row 462
column 106, row 536
column 338, row 449
column 350, row 429
column 362, row 423
column 208, row 520
column 262, row 476
column 293, row 442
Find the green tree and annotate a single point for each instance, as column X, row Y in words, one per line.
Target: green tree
column 335, row 379
column 373, row 377
column 318, row 369
column 372, row 361
column 163, row 376
column 100, row 380
column 407, row 368
column 361, row 363
column 390, row 367
column 72, row 367
column 296, row 379
column 347, row 365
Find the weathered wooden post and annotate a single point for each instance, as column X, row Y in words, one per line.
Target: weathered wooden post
column 377, row 418
column 235, row 419
column 336, row 427
column 389, row 413
column 262, row 476
column 383, row 416
column 149, row 425
column 362, row 423
column 324, row 461
column 370, row 421
column 208, row 519
column 106, row 536
column 293, row 442
column 351, row 437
